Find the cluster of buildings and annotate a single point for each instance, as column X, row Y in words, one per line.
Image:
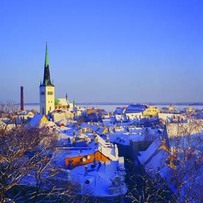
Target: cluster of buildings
column 87, row 141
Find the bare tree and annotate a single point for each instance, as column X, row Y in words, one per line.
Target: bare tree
column 186, row 142
column 143, row 188
column 8, row 108
column 27, row 172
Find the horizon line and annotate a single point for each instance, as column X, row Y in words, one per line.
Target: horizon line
column 126, row 103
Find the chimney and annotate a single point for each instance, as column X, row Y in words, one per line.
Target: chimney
column 21, row 99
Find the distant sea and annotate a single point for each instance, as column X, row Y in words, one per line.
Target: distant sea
column 111, row 106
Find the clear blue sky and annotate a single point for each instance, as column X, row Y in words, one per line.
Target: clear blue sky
column 103, row 50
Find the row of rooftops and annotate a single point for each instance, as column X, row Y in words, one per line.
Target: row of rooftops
column 81, row 144
column 137, row 108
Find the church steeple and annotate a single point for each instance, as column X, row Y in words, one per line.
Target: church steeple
column 46, row 80
column 46, row 57
column 46, row 89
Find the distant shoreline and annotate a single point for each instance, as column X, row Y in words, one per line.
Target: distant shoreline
column 127, row 103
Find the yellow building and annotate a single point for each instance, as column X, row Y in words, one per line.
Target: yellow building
column 38, row 120
column 151, row 111
column 189, row 109
column 61, row 103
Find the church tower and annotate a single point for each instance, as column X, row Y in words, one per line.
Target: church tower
column 47, row 94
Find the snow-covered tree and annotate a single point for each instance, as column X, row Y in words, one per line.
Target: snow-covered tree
column 26, row 168
column 143, row 188
column 186, row 142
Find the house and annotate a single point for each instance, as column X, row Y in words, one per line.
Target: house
column 96, row 167
column 157, row 157
column 101, row 179
column 97, row 151
column 119, row 114
column 169, row 109
column 61, row 115
column 89, row 127
column 65, row 110
column 190, row 109
column 191, row 127
column 170, row 117
column 38, row 120
column 151, row 111
column 135, row 111
column 25, row 115
column 61, row 103
column 41, row 121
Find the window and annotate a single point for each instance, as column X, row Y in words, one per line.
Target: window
column 87, row 182
column 50, row 93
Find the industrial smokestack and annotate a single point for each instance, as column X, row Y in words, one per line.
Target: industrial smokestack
column 21, row 99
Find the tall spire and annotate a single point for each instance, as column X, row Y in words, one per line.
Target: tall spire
column 46, row 57
column 46, row 80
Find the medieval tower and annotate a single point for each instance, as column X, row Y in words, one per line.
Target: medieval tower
column 47, row 94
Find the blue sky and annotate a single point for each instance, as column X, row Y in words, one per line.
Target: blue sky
column 103, row 50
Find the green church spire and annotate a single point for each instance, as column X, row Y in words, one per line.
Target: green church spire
column 46, row 57
column 46, row 80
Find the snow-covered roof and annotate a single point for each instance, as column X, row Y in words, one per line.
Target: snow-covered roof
column 93, row 127
column 104, row 180
column 154, row 158
column 36, row 119
column 150, row 151
column 119, row 111
column 107, row 149
column 124, row 138
column 134, row 134
column 41, row 121
column 67, row 152
column 135, row 108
